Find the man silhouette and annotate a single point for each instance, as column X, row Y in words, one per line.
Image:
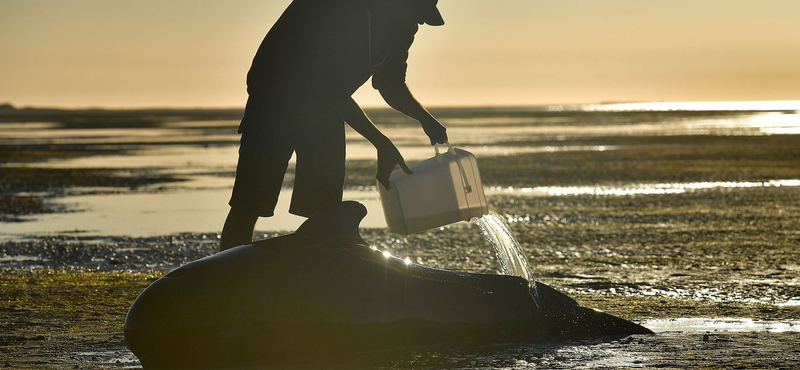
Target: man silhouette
column 300, row 85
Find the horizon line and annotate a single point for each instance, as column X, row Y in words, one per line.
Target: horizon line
column 721, row 105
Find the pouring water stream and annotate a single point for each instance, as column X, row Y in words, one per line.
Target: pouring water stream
column 509, row 253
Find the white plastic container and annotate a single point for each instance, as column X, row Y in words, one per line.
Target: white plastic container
column 442, row 190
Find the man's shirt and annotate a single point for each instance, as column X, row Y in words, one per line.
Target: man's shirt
column 329, row 48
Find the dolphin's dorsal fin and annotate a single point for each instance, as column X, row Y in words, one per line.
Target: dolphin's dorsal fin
column 339, row 222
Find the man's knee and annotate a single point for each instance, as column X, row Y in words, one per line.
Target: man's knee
column 242, row 215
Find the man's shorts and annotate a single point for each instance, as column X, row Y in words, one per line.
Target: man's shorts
column 273, row 129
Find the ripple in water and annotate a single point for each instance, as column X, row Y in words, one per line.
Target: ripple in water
column 509, row 253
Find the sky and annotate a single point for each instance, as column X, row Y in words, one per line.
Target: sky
column 196, row 53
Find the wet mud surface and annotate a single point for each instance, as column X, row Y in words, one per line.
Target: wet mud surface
column 688, row 257
column 715, row 253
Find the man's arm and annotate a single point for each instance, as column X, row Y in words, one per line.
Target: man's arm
column 358, row 120
column 389, row 78
column 399, row 97
column 388, row 155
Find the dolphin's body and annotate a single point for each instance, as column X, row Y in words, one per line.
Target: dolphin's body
column 323, row 291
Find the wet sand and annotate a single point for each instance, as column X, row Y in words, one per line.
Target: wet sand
column 725, row 256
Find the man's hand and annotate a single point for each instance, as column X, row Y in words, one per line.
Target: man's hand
column 435, row 131
column 388, row 155
column 388, row 158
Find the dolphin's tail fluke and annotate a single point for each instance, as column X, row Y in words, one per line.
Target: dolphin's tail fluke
column 573, row 320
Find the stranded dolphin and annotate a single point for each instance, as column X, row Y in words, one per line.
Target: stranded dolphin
column 323, row 291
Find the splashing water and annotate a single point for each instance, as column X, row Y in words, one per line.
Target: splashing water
column 509, row 253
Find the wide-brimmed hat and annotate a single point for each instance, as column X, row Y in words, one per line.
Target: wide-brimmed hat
column 429, row 13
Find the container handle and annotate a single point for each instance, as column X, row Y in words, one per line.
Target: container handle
column 451, row 150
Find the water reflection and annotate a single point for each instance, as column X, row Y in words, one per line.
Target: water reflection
column 722, row 325
column 223, row 158
column 789, row 303
column 165, row 212
column 512, row 124
column 201, row 204
column 638, row 189
column 730, row 106
column 210, row 147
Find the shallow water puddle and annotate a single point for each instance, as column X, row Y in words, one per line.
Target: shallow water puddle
column 763, row 123
column 721, row 325
column 223, row 158
column 172, row 158
column 593, row 357
column 789, row 303
column 122, row 359
column 166, row 212
column 639, row 189
column 200, row 205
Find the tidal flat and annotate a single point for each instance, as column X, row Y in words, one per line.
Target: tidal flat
column 687, row 222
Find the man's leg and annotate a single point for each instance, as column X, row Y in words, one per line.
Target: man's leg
column 238, row 229
column 264, row 153
column 320, row 170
